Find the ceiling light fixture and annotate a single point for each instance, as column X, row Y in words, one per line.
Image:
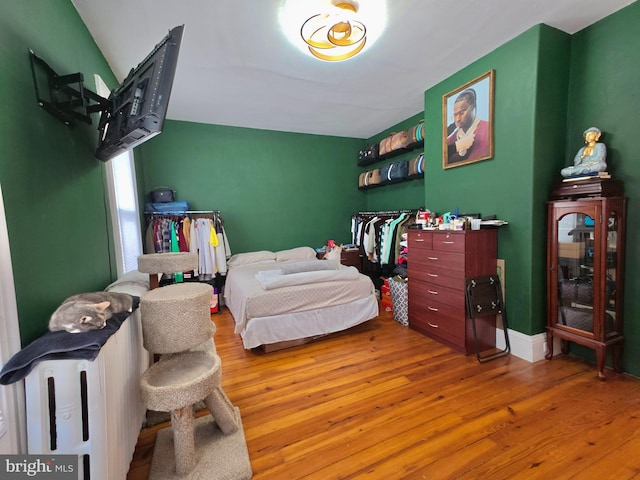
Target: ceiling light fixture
column 333, row 30
column 336, row 35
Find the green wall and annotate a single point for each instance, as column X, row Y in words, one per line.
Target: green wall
column 53, row 186
column 605, row 92
column 513, row 185
column 276, row 190
column 549, row 137
column 550, row 87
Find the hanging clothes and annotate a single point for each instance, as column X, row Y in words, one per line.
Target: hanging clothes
column 198, row 232
column 378, row 234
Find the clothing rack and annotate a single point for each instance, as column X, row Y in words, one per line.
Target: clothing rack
column 184, row 212
column 215, row 214
column 371, row 230
column 387, row 212
column 164, row 233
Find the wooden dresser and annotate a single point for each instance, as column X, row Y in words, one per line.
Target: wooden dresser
column 351, row 258
column 438, row 263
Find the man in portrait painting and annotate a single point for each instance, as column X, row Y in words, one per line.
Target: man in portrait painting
column 470, row 138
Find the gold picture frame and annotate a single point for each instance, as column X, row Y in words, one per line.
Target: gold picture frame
column 467, row 122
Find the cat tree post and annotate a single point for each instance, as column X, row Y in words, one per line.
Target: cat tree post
column 176, row 323
column 184, row 444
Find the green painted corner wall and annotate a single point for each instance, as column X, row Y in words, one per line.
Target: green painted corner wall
column 53, row 187
column 276, row 190
column 510, row 185
column 550, row 87
column 605, row 92
column 551, row 93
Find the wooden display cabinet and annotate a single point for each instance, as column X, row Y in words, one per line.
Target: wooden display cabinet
column 585, row 275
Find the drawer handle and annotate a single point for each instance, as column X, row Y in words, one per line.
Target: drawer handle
column 419, row 240
column 448, row 243
column 433, row 309
column 432, row 258
column 432, row 292
column 433, row 275
column 432, row 325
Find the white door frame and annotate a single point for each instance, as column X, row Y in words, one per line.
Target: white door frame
column 13, row 425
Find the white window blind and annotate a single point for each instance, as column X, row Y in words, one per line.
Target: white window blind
column 125, row 218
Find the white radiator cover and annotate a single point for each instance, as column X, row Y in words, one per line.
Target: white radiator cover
column 98, row 412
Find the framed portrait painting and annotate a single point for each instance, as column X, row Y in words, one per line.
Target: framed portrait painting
column 467, row 122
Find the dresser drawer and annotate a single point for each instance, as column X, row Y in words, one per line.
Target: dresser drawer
column 439, row 276
column 448, row 241
column 437, row 262
column 425, row 293
column 439, row 323
column 419, row 239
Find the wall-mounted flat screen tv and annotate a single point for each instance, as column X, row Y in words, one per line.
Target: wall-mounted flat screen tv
column 136, row 109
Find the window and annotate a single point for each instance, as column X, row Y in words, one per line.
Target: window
column 121, row 181
column 125, row 219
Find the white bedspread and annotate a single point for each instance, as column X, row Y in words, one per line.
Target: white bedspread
column 246, row 298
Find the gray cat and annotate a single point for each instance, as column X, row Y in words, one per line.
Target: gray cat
column 89, row 311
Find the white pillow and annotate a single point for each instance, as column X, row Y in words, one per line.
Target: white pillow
column 295, row 254
column 250, row 257
column 309, row 266
column 133, row 283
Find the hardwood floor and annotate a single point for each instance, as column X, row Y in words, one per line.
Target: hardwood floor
column 385, row 402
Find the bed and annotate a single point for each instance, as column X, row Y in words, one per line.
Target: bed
column 285, row 298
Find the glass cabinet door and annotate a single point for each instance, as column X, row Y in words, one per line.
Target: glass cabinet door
column 575, row 253
column 612, row 319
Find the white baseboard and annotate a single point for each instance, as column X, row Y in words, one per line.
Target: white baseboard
column 532, row 348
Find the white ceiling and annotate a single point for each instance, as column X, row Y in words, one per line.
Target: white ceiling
column 236, row 68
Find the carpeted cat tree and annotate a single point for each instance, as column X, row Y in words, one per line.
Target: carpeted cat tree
column 176, row 322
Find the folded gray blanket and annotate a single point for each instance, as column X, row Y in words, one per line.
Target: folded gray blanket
column 60, row 345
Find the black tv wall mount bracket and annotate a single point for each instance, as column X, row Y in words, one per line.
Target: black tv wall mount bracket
column 64, row 96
